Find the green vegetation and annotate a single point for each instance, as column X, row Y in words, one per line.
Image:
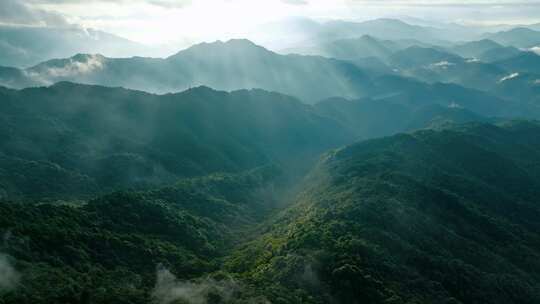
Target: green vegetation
column 443, row 215
column 436, row 216
column 107, row 250
column 70, row 140
column 447, row 216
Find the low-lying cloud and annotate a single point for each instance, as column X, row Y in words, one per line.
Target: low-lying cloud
column 9, row 277
column 71, row 69
column 74, row 67
column 443, row 65
column 509, row 77
column 169, row 289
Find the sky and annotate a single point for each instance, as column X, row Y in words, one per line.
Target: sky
column 164, row 21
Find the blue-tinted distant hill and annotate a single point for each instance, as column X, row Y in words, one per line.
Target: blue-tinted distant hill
column 517, row 37
column 236, row 64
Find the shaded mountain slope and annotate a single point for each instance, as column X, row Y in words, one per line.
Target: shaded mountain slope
column 499, row 54
column 527, row 62
column 95, row 138
column 475, row 49
column 117, row 138
column 414, row 93
column 517, row 37
column 368, row 118
column 421, row 56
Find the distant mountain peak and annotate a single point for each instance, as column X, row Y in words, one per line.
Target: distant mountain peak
column 83, row 56
column 80, row 58
column 230, row 42
column 521, row 30
column 392, row 22
column 232, row 45
column 379, row 21
column 389, row 20
column 485, row 42
column 200, row 89
column 368, row 37
column 241, row 41
column 66, row 85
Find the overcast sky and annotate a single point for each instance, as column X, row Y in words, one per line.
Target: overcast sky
column 162, row 21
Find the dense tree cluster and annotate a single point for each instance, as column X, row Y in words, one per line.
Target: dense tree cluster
column 446, row 216
column 108, row 250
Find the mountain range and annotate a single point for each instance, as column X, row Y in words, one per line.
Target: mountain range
column 97, row 139
column 439, row 215
column 436, row 216
column 310, row 78
column 365, row 162
column 307, row 77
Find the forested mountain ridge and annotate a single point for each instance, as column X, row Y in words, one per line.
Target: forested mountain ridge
column 110, row 249
column 97, row 139
column 94, row 139
column 443, row 215
column 436, row 216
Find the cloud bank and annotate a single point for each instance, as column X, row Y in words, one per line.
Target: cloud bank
column 168, row 289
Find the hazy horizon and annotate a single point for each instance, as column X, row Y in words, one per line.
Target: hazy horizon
column 184, row 22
